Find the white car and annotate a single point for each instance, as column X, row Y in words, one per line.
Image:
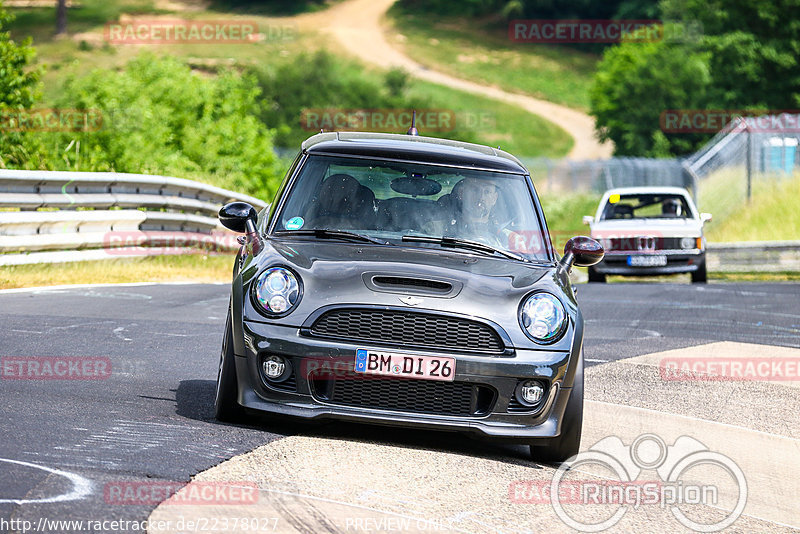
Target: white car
column 649, row 231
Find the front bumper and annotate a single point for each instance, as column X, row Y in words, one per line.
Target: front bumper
column 677, row 262
column 500, row 417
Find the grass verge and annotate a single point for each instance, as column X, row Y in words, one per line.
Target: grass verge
column 771, row 215
column 482, row 51
column 188, row 268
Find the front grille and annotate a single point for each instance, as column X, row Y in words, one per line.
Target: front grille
column 408, row 329
column 459, row 399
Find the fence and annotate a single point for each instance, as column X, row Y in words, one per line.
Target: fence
column 735, row 162
column 74, row 216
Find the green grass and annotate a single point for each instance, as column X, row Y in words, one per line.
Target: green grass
column 482, row 51
column 772, row 214
column 188, row 268
column 513, row 130
column 39, row 22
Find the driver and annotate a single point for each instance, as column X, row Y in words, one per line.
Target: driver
column 476, row 198
column 476, row 217
column 671, row 208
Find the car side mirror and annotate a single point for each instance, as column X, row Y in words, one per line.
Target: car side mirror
column 706, row 217
column 588, row 219
column 581, row 251
column 236, row 215
column 241, row 217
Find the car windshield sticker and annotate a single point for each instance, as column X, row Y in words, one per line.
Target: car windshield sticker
column 613, row 199
column 295, row 223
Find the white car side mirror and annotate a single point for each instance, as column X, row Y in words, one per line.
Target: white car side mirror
column 706, row 217
column 588, row 219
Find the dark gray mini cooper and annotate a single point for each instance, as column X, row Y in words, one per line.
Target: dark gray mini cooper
column 408, row 281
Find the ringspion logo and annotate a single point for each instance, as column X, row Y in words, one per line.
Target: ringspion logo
column 687, row 476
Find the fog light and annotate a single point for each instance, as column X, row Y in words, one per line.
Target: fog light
column 274, row 367
column 531, row 392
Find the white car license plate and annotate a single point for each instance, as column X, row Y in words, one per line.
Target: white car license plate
column 373, row 362
column 647, row 261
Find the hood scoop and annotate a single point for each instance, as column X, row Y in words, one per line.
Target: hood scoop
column 412, row 285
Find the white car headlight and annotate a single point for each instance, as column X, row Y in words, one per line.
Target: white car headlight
column 543, row 317
column 688, row 242
column 277, row 291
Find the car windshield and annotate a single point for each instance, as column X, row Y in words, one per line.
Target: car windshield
column 646, row 206
column 388, row 201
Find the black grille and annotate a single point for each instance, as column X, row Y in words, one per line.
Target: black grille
column 458, row 399
column 408, row 329
column 514, row 406
column 289, row 385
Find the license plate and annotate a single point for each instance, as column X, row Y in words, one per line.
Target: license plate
column 647, row 261
column 373, row 362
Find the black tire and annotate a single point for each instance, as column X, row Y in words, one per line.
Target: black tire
column 567, row 445
column 226, row 405
column 594, row 276
column 700, row 276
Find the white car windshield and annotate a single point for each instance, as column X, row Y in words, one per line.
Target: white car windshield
column 388, row 200
column 646, row 206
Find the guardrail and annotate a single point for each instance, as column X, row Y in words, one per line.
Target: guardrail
column 74, row 216
column 77, row 216
column 754, row 256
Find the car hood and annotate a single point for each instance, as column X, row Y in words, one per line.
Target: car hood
column 338, row 273
column 648, row 227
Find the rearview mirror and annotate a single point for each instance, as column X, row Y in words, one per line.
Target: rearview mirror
column 705, row 217
column 588, row 219
column 581, row 251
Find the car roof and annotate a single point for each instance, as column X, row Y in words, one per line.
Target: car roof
column 654, row 190
column 417, row 149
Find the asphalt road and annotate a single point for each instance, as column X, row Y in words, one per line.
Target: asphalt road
column 151, row 419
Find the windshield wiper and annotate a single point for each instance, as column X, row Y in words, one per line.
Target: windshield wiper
column 455, row 242
column 323, row 233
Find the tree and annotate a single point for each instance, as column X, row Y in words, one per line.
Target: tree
column 19, row 83
column 745, row 59
column 61, row 17
column 635, row 82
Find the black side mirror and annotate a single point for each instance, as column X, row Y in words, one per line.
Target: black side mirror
column 581, row 251
column 235, row 216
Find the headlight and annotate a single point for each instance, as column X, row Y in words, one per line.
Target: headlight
column 543, row 317
column 688, row 242
column 277, row 291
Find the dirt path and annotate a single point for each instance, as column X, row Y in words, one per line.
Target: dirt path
column 357, row 25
